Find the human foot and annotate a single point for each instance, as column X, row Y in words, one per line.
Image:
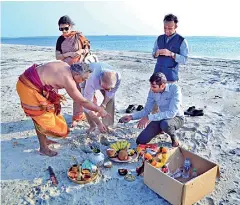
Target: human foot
column 90, row 129
column 47, row 152
column 74, row 124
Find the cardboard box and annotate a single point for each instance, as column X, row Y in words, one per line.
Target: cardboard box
column 182, row 191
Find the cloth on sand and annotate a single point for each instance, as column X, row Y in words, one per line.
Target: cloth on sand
column 42, row 104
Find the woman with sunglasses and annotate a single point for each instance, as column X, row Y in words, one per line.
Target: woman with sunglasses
column 72, row 47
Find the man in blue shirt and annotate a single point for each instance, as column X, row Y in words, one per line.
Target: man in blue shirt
column 107, row 81
column 168, row 97
column 170, row 49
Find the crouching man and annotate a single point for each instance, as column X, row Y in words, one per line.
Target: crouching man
column 168, row 97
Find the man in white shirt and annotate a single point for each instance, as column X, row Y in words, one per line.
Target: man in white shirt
column 107, row 81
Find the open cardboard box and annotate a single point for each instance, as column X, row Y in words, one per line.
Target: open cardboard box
column 182, row 191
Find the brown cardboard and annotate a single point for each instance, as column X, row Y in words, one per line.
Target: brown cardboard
column 166, row 187
column 182, row 192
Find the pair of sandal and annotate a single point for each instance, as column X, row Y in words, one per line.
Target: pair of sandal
column 192, row 111
column 131, row 108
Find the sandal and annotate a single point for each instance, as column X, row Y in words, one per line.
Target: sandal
column 197, row 113
column 189, row 110
column 139, row 107
column 130, row 108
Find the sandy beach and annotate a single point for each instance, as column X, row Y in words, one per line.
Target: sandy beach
column 210, row 84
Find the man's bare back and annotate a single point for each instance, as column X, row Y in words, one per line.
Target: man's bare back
column 55, row 74
column 59, row 75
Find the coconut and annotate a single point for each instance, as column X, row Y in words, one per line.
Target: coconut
column 123, row 155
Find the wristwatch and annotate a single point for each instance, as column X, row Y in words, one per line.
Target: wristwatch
column 173, row 55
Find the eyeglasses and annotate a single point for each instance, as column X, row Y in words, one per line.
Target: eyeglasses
column 106, row 88
column 65, row 28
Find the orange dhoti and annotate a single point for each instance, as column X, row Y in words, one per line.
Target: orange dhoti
column 41, row 110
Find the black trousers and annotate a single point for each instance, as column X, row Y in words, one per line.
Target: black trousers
column 155, row 127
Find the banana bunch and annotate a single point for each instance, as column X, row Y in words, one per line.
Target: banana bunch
column 120, row 145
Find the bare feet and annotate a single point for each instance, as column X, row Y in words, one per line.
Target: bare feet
column 90, row 129
column 74, row 124
column 47, row 152
column 175, row 143
column 50, row 142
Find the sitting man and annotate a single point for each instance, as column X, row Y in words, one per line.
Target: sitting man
column 107, row 81
column 37, row 88
column 168, row 97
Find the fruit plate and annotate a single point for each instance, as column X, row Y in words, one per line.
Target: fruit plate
column 94, row 177
column 130, row 159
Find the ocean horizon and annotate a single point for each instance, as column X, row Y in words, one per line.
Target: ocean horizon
column 199, row 46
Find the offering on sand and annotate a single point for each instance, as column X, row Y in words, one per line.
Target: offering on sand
column 120, row 152
column 130, row 177
column 107, row 164
column 81, row 176
column 122, row 172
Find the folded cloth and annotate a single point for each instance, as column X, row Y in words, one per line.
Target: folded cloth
column 41, row 104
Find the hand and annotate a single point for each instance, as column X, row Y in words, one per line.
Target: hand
column 73, row 54
column 125, row 119
column 102, row 128
column 157, row 52
column 103, row 113
column 165, row 52
column 143, row 123
column 103, row 106
column 86, row 50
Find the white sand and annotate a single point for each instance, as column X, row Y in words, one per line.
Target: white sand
column 213, row 85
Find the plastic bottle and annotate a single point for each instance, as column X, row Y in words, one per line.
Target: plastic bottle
column 194, row 174
column 186, row 168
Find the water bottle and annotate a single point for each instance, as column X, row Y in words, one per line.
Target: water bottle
column 186, row 168
column 194, row 174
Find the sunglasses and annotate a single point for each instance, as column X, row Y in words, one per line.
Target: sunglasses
column 65, row 28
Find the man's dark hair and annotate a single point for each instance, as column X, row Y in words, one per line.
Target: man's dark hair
column 65, row 20
column 159, row 78
column 170, row 17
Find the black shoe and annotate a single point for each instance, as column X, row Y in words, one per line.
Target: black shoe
column 139, row 107
column 197, row 113
column 189, row 110
column 130, row 108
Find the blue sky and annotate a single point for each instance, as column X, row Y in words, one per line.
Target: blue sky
column 196, row 18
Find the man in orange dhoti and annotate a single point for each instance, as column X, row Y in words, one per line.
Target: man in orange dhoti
column 37, row 88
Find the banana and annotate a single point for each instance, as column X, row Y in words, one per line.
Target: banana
column 128, row 145
column 124, row 144
column 165, row 156
column 119, row 145
column 114, row 146
column 159, row 164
